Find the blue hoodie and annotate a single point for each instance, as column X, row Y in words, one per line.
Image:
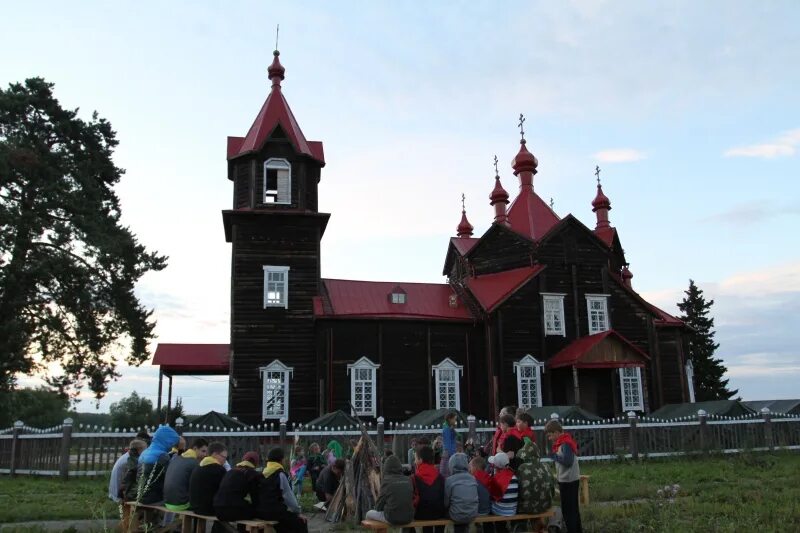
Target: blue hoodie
column 163, row 440
column 153, row 466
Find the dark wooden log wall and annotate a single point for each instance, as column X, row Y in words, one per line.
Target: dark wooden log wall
column 673, row 376
column 501, row 249
column 258, row 335
column 406, row 351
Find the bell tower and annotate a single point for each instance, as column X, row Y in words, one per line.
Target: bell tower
column 275, row 231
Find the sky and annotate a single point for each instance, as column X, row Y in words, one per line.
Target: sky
column 691, row 109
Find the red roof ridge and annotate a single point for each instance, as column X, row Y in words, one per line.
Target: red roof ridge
column 399, row 283
column 491, row 290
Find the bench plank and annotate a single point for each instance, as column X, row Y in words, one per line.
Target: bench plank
column 383, row 526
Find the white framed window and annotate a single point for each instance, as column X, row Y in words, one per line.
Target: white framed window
column 690, row 379
column 554, row 314
column 597, row 306
column 447, row 383
column 630, row 385
column 363, row 375
column 277, row 181
column 529, row 382
column 276, row 286
column 275, row 390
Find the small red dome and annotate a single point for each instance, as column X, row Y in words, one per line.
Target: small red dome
column 600, row 201
column 626, row 274
column 276, row 71
column 464, row 229
column 524, row 160
column 499, row 194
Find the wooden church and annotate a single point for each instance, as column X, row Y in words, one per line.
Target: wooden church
column 539, row 310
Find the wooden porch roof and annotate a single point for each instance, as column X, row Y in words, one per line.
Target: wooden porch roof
column 608, row 349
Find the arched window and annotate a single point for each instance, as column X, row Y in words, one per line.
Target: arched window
column 275, row 390
column 277, row 181
column 447, row 382
column 362, row 386
column 529, row 382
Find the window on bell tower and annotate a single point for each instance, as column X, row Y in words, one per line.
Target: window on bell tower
column 277, row 181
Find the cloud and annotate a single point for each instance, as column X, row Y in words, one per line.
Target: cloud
column 784, row 145
column 619, row 155
column 754, row 314
column 752, row 212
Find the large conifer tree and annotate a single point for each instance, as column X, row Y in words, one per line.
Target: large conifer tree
column 708, row 371
column 68, row 266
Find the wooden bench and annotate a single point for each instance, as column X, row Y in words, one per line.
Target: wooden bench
column 190, row 522
column 376, row 525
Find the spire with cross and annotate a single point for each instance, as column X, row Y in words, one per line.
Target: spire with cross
column 277, row 33
column 597, row 173
column 463, row 208
column 552, row 203
column 496, row 172
column 522, row 127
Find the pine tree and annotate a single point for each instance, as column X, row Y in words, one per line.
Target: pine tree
column 68, row 265
column 708, row 371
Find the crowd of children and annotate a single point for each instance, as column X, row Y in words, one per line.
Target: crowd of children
column 446, row 479
column 504, row 478
column 161, row 471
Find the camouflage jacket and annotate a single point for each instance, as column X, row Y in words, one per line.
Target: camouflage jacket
column 536, row 483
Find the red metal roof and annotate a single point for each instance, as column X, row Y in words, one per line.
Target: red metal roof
column 464, row 245
column 574, row 353
column 274, row 112
column 372, row 299
column 192, row 358
column 493, row 289
column 530, row 215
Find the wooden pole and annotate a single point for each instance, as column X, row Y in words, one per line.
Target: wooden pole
column 169, row 400
column 66, row 437
column 160, row 386
column 15, row 446
column 634, row 446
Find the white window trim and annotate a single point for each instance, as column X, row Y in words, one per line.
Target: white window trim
column 448, row 364
column 280, row 164
column 631, row 407
column 275, row 366
column 597, row 298
column 285, row 270
column 538, row 368
column 364, row 363
column 690, row 380
column 559, row 297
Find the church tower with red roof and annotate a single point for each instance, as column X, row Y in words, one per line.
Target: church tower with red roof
column 275, row 230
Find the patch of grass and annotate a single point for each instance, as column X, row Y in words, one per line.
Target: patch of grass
column 25, row 498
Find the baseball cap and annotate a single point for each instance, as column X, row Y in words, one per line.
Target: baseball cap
column 500, row 460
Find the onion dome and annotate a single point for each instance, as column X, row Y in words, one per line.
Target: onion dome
column 499, row 194
column 626, row 276
column 600, row 201
column 464, row 227
column 276, row 71
column 524, row 160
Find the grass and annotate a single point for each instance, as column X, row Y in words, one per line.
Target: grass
column 746, row 492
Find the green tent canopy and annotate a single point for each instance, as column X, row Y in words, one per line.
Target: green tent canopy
column 716, row 407
column 333, row 420
column 786, row 407
column 435, row 417
column 213, row 419
column 564, row 412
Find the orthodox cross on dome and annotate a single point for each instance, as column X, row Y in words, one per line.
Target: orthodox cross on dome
column 496, row 172
column 462, row 202
column 552, row 203
column 597, row 173
column 522, row 126
column 277, row 33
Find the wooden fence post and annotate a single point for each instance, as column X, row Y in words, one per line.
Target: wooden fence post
column 379, row 437
column 282, row 437
column 15, row 446
column 179, row 425
column 472, row 432
column 769, row 442
column 702, row 416
column 634, row 446
column 63, row 470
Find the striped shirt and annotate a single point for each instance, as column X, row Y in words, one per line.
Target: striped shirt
column 507, row 505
